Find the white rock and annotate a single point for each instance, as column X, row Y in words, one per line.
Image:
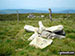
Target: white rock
column 30, row 28
column 40, row 42
column 55, row 28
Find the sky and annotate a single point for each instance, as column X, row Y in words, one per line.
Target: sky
column 37, row 4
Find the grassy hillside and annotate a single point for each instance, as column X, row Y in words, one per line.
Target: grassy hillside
column 13, row 37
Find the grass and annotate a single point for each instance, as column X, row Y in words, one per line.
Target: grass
column 13, row 37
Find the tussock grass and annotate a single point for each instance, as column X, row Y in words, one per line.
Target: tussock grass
column 13, row 37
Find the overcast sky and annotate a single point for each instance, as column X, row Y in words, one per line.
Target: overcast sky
column 37, row 4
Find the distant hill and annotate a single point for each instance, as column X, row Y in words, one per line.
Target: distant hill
column 68, row 11
column 21, row 11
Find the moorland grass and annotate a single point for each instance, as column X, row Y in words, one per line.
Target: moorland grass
column 13, row 37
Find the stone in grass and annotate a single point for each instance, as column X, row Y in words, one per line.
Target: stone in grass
column 40, row 42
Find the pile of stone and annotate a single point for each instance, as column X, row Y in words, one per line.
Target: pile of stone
column 33, row 16
column 43, row 36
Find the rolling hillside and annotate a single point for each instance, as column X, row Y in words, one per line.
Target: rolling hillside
column 14, row 39
column 22, row 11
